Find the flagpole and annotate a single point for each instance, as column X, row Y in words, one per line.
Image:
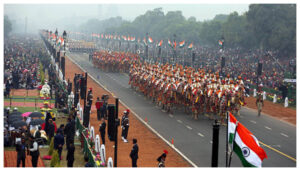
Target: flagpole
column 237, row 124
column 227, row 140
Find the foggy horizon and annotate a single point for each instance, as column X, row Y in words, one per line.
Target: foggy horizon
column 50, row 16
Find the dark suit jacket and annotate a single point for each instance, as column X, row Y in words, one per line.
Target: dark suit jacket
column 102, row 128
column 134, row 152
column 21, row 150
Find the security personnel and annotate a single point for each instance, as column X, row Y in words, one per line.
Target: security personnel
column 134, row 154
column 259, row 99
column 21, row 152
column 102, row 130
column 34, row 151
column 89, row 99
column 125, row 125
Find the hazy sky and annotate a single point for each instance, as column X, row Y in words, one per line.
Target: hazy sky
column 127, row 11
column 50, row 15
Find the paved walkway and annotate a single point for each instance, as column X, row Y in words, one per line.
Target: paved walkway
column 10, row 160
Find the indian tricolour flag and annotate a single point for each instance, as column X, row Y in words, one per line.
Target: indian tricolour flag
column 231, row 127
column 246, row 145
column 220, row 42
column 160, row 43
column 190, row 46
column 150, row 40
column 170, row 43
column 181, row 44
column 145, row 41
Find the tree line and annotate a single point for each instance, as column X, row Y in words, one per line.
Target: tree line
column 263, row 26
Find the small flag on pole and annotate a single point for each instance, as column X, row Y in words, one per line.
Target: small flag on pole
column 150, row 40
column 190, row 46
column 181, row 44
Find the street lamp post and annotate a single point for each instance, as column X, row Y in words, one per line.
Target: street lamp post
column 146, row 51
column 63, row 65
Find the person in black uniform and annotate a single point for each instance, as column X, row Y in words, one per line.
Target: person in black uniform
column 125, row 125
column 76, row 98
column 70, row 155
column 82, row 87
column 51, row 129
column 162, row 158
column 21, row 152
column 90, row 98
column 134, row 153
column 102, row 130
column 34, row 151
column 69, row 132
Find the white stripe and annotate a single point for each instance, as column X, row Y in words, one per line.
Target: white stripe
column 179, row 121
column 284, row 135
column 253, row 158
column 145, row 123
column 253, row 121
column 188, row 127
column 268, row 128
column 171, row 115
column 200, row 134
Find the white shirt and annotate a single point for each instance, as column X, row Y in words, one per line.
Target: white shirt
column 35, row 147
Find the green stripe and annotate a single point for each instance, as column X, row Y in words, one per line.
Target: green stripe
column 239, row 153
column 231, row 136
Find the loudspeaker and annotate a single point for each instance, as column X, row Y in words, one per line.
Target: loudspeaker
column 146, row 51
column 259, row 69
column 223, row 62
column 111, row 121
column 194, row 56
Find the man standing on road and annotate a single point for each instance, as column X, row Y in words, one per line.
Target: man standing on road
column 259, row 100
column 102, row 130
column 134, row 153
column 125, row 125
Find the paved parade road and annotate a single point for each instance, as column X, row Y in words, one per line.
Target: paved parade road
column 193, row 137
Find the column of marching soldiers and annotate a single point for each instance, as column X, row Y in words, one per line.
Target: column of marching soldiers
column 196, row 90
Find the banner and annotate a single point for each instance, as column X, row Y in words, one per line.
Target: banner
column 290, row 80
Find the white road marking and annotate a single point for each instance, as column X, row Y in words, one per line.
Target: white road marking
column 171, row 115
column 179, row 121
column 284, row 135
column 188, row 127
column 200, row 134
column 268, row 128
column 253, row 121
